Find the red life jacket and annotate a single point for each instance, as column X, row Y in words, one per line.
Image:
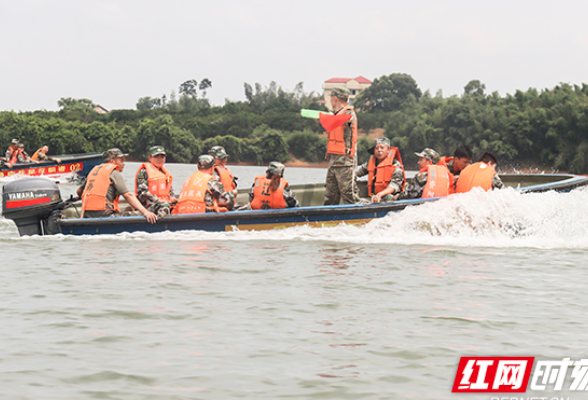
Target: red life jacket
column 192, row 200
column 226, row 178
column 36, row 155
column 14, row 156
column 159, row 181
column 94, row 196
column 437, row 182
column 475, row 175
column 443, row 161
column 336, row 135
column 263, row 198
column 383, row 171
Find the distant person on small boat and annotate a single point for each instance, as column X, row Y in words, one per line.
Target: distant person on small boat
column 341, row 152
column 481, row 174
column 384, row 170
column 104, row 184
column 221, row 171
column 203, row 192
column 20, row 155
column 11, row 149
column 462, row 157
column 41, row 155
column 431, row 181
column 153, row 183
column 272, row 191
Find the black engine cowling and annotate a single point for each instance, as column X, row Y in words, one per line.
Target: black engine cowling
column 29, row 202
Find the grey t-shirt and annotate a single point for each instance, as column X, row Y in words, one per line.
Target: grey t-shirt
column 117, row 188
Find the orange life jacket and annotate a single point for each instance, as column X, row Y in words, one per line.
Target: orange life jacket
column 94, row 196
column 443, row 161
column 437, row 182
column 263, row 198
column 475, row 175
column 192, row 200
column 159, row 181
column 36, row 155
column 14, row 156
column 226, row 178
column 383, row 171
column 336, row 137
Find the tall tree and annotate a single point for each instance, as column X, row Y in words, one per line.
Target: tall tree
column 388, row 93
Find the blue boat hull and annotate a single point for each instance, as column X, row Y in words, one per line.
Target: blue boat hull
column 318, row 216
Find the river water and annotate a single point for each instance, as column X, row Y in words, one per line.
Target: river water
column 381, row 311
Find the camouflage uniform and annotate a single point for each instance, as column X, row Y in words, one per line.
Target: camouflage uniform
column 23, row 157
column 216, row 190
column 43, row 157
column 395, row 182
column 340, row 180
column 150, row 201
column 497, row 182
column 9, row 150
column 414, row 187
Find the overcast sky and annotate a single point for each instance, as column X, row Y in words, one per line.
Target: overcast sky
column 114, row 52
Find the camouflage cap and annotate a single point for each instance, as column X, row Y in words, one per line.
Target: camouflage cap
column 430, row 154
column 276, row 168
column 218, row 152
column 205, row 161
column 14, row 141
column 341, row 93
column 112, row 153
column 20, row 146
column 155, row 150
column 382, row 140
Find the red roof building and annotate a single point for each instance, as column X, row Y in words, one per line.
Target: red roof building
column 355, row 86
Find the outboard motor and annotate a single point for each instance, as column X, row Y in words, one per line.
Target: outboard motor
column 30, row 202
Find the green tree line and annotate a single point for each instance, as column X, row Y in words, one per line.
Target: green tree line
column 541, row 128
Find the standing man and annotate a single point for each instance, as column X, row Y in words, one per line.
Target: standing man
column 341, row 150
column 221, row 171
column 203, row 192
column 41, row 155
column 104, row 185
column 153, row 183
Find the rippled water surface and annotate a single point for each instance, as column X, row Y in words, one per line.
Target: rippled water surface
column 382, row 311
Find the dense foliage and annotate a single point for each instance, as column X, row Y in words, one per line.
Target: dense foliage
column 547, row 128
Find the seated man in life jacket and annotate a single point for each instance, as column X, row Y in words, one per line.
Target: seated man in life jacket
column 481, row 174
column 431, row 181
column 11, row 149
column 272, row 190
column 221, row 171
column 41, row 155
column 462, row 157
column 104, row 184
column 203, row 192
column 153, row 183
column 20, row 155
column 384, row 170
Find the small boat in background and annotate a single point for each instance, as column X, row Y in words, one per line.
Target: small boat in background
column 79, row 164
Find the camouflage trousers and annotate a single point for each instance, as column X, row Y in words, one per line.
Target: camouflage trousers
column 341, row 185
